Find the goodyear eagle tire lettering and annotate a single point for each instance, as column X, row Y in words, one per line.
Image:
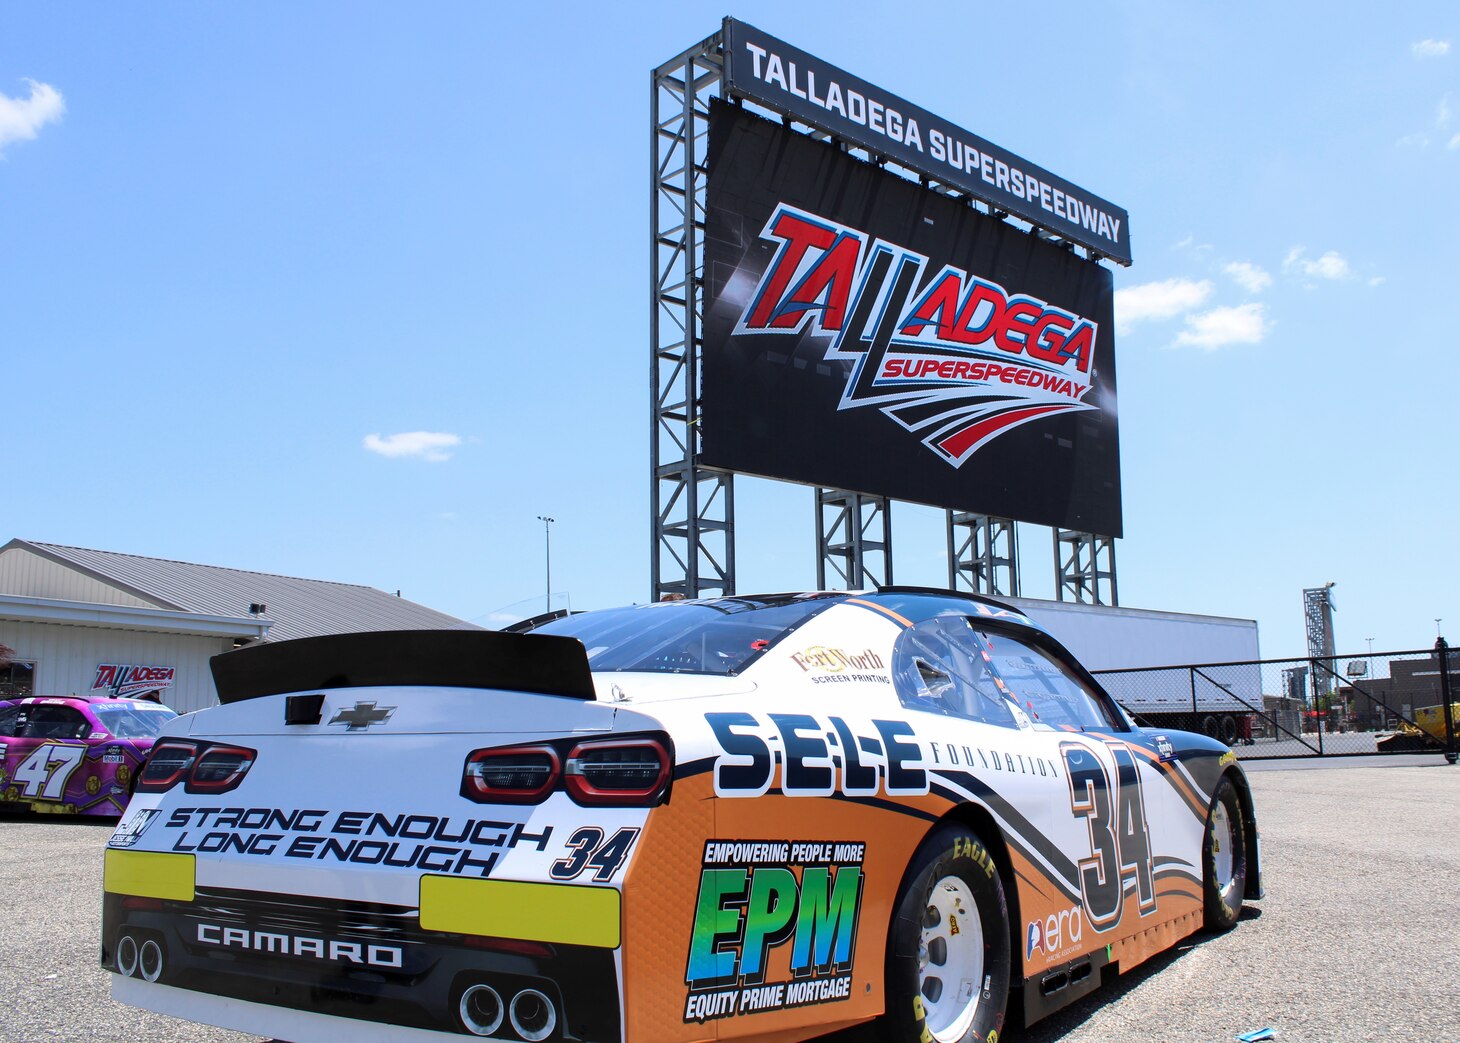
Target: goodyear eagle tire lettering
column 948, row 950
column 1224, row 859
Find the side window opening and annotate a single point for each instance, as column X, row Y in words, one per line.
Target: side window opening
column 1045, row 689
column 952, row 665
column 56, row 722
column 939, row 667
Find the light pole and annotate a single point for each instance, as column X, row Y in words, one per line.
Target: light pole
column 547, row 541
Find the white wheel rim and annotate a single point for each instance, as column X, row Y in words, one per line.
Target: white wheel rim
column 950, row 960
column 1224, row 852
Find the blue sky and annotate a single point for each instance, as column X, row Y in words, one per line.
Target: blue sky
column 245, row 248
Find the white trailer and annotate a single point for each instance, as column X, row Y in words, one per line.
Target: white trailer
column 1218, row 700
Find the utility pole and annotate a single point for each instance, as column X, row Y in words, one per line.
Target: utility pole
column 547, row 542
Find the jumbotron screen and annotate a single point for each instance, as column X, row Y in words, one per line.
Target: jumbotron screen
column 865, row 333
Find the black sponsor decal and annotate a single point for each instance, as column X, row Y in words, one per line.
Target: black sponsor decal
column 962, row 755
column 818, row 756
column 434, row 843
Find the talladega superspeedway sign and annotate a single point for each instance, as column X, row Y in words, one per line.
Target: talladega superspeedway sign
column 770, row 71
column 868, row 334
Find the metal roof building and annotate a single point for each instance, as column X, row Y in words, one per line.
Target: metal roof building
column 77, row 618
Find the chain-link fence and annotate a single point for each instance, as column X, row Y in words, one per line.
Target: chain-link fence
column 1371, row 703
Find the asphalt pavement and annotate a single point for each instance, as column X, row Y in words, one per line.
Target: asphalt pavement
column 1356, row 941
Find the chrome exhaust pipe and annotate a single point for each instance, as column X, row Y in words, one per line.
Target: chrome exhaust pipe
column 150, row 960
column 480, row 1010
column 126, row 955
column 533, row 1015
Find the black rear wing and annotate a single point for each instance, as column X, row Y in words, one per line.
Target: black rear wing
column 540, row 663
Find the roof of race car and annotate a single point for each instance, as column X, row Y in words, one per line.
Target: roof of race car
column 554, row 657
column 727, row 635
column 84, row 700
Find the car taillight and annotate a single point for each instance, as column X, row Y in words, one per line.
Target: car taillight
column 630, row 771
column 511, row 775
column 168, row 762
column 202, row 767
column 622, row 772
column 219, row 769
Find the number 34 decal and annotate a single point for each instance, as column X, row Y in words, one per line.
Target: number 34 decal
column 1120, row 841
column 590, row 851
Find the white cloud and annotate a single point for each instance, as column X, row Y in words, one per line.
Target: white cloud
column 428, row 445
column 1443, row 113
column 1330, row 266
column 1251, row 277
column 21, row 118
column 1430, row 48
column 1190, row 245
column 1244, row 324
column 1158, row 300
column 1454, row 143
column 1414, row 141
column 1378, row 280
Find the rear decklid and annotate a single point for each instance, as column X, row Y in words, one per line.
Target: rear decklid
column 344, row 765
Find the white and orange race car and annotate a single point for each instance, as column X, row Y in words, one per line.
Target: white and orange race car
column 751, row 817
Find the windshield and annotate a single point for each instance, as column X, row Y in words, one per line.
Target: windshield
column 695, row 637
column 132, row 722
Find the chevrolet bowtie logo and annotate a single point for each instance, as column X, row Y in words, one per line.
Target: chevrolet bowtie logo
column 361, row 716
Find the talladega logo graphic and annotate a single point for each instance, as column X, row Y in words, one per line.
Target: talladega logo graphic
column 952, row 357
column 124, row 681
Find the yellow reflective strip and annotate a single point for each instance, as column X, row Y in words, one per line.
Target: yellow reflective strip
column 882, row 609
column 150, row 874
column 564, row 913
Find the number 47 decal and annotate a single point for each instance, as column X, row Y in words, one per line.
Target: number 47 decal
column 1120, row 841
column 46, row 771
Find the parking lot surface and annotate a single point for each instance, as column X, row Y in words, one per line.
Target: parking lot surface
column 1357, row 939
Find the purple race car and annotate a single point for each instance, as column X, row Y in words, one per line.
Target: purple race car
column 75, row 755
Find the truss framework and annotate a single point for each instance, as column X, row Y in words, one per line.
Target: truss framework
column 983, row 554
column 1084, row 567
column 853, row 540
column 692, row 507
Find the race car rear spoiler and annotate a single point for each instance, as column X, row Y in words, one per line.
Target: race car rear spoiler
column 540, row 663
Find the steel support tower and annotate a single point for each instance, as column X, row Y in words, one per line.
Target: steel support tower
column 1084, row 566
column 983, row 554
column 693, row 508
column 853, row 540
column 1318, row 621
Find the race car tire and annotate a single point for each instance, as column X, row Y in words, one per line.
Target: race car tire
column 948, row 955
column 1224, row 859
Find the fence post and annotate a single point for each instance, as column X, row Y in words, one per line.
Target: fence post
column 1195, row 718
column 1442, row 650
column 1318, row 710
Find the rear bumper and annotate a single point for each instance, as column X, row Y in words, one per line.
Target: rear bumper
column 355, row 960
